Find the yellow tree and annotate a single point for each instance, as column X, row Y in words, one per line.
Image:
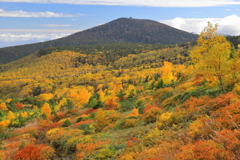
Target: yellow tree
column 101, row 120
column 211, row 55
column 4, row 124
column 167, row 72
column 10, row 115
column 46, row 96
column 84, row 96
column 3, row 107
column 79, row 96
column 46, row 109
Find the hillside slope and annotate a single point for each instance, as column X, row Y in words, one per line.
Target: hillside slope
column 159, row 104
column 120, row 30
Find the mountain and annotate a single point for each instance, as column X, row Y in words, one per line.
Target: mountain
column 120, row 30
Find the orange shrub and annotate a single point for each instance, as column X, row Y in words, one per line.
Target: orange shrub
column 228, row 117
column 88, row 121
column 134, row 113
column 231, row 140
column 86, row 149
column 46, row 109
column 2, row 155
column 205, row 150
column 47, row 124
column 36, row 152
column 111, row 105
column 4, row 124
column 189, row 109
column 149, row 107
column 151, row 113
column 19, row 105
column 3, row 107
column 210, row 150
column 11, row 149
column 61, row 115
column 186, row 154
column 220, row 101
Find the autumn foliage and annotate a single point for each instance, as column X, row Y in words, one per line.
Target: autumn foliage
column 106, row 104
column 37, row 152
column 3, row 107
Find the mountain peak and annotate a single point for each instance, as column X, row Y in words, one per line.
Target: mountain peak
column 120, row 30
column 135, row 31
column 125, row 20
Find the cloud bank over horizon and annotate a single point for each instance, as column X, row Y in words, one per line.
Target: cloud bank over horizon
column 13, row 37
column 228, row 25
column 150, row 3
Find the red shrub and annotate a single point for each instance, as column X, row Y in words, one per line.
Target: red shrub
column 111, row 105
column 88, row 121
column 149, row 107
column 35, row 152
column 46, row 125
column 19, row 105
column 88, row 111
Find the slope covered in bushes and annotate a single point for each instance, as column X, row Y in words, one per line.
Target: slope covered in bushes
column 162, row 104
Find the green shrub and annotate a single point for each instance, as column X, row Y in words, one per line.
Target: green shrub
column 86, row 128
column 66, row 123
column 127, row 105
column 195, row 93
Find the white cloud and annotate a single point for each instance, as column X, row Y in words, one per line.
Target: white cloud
column 11, row 37
column 228, row 25
column 21, row 13
column 152, row 3
column 38, row 30
column 56, row 25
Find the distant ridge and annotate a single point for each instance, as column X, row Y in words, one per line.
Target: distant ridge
column 119, row 30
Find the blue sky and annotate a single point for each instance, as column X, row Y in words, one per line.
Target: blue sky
column 30, row 21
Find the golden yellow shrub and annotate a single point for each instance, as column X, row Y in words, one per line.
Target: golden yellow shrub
column 2, row 155
column 163, row 119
